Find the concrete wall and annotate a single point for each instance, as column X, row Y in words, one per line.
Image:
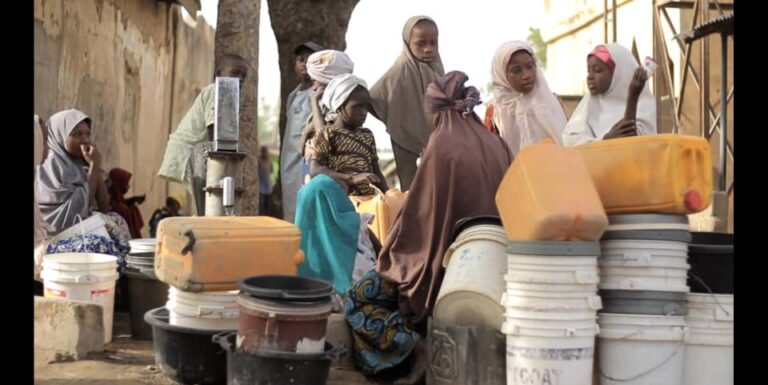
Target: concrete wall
column 134, row 66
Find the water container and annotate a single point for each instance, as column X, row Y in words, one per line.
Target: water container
column 548, row 194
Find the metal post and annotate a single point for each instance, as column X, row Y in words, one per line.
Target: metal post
column 605, row 21
column 723, row 107
column 614, row 24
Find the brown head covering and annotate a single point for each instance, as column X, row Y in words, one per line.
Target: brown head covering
column 397, row 96
column 460, row 171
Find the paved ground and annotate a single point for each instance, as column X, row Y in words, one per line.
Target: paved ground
column 130, row 362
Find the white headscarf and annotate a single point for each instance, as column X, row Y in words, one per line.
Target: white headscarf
column 337, row 92
column 596, row 114
column 61, row 185
column 524, row 119
column 325, row 65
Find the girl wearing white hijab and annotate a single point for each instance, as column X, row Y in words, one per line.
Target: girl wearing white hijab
column 620, row 104
column 346, row 151
column 525, row 110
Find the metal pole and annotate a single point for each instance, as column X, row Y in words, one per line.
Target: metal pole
column 605, row 21
column 614, row 24
column 723, row 106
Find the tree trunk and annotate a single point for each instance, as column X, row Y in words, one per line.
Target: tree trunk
column 294, row 22
column 237, row 32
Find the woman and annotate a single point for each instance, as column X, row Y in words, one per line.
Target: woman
column 389, row 306
column 119, row 183
column 525, row 110
column 70, row 181
column 619, row 103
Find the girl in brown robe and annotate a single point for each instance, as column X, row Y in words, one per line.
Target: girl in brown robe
column 461, row 169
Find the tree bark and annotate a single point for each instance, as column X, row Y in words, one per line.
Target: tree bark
column 237, row 32
column 294, row 22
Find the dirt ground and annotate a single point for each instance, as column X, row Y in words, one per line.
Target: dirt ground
column 126, row 361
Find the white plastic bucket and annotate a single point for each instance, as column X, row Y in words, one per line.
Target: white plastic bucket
column 644, row 253
column 545, row 289
column 587, row 301
column 644, row 278
column 540, row 355
column 211, row 310
column 641, row 349
column 87, row 277
column 473, row 284
column 709, row 342
column 143, row 245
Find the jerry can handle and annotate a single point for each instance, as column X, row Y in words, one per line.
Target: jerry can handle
column 191, row 244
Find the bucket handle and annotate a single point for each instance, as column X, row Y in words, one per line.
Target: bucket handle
column 79, row 219
column 222, row 338
column 701, row 281
column 641, row 374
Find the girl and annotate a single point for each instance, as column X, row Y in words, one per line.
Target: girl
column 619, row 103
column 397, row 98
column 322, row 67
column 345, row 163
column 388, row 308
column 525, row 110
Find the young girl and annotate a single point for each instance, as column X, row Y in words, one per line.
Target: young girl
column 398, row 97
column 525, row 110
column 619, row 103
column 345, row 163
column 346, row 151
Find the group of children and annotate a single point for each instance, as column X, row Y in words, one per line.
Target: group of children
column 327, row 156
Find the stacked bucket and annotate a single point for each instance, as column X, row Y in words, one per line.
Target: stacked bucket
column 551, row 309
column 643, row 285
column 709, row 342
column 145, row 291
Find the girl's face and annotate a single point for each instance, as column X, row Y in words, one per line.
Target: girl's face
column 355, row 109
column 80, row 135
column 599, row 76
column 423, row 41
column 521, row 72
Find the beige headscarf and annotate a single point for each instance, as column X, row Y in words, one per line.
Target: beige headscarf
column 596, row 114
column 327, row 64
column 397, row 97
column 524, row 119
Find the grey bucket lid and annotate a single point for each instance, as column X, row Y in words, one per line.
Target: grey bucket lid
column 554, row 248
column 643, row 302
column 648, row 235
column 637, row 219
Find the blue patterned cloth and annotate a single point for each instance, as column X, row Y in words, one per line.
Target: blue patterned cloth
column 382, row 337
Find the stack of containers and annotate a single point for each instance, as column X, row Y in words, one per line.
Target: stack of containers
column 709, row 343
column 145, row 291
column 202, row 259
column 643, row 284
column 647, row 184
column 551, row 297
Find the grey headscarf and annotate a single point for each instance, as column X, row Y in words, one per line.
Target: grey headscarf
column 61, row 184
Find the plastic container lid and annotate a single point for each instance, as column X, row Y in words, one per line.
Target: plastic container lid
column 286, row 288
column 554, row 248
column 649, row 235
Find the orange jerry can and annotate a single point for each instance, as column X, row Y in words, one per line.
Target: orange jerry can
column 548, row 194
column 384, row 207
column 668, row 174
column 213, row 253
